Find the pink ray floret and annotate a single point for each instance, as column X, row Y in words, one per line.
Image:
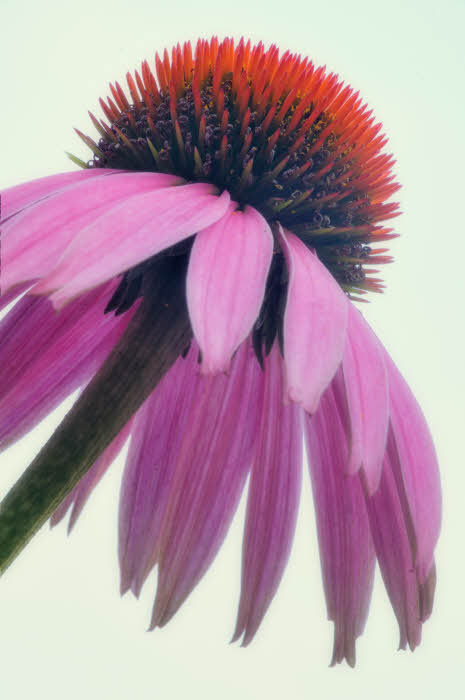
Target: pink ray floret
column 273, row 500
column 129, row 233
column 315, row 324
column 33, row 240
column 226, row 281
column 414, row 462
column 213, row 462
column 366, row 385
column 346, row 549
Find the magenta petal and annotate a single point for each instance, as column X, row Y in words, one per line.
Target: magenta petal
column 67, row 350
column 366, row 384
column 226, row 281
column 34, row 317
column 213, row 462
column 416, row 470
column 158, row 432
column 131, row 232
column 17, row 198
column 411, row 598
column 81, row 492
column 273, row 500
column 315, row 324
column 34, row 240
column 346, row 549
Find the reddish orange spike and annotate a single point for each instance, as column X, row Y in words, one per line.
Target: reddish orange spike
column 117, row 98
column 174, row 68
column 247, row 53
column 245, row 122
column 272, row 141
column 246, row 174
column 188, row 61
column 268, row 119
column 161, row 75
column 220, row 104
column 179, row 81
column 259, row 85
column 202, row 130
column 224, row 121
column 223, row 151
column 298, row 113
column 114, row 109
column 140, row 84
column 167, row 65
column 212, row 53
column 108, row 112
column 173, row 102
column 255, row 58
column 133, row 91
column 110, row 135
column 264, row 102
column 245, row 145
column 197, row 102
column 218, row 72
column 238, row 65
column 287, row 104
column 97, row 124
column 122, row 96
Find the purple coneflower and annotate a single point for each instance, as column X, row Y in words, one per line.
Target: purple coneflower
column 196, row 279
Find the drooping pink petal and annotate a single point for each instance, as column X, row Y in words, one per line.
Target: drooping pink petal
column 416, row 470
column 81, row 492
column 366, row 385
column 16, row 198
column 66, row 351
column 346, row 549
column 315, row 324
column 130, row 233
column 159, row 429
column 226, row 281
column 34, row 317
column 34, row 240
column 273, row 500
column 213, row 462
column 411, row 598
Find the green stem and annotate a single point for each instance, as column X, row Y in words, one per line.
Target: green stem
column 155, row 337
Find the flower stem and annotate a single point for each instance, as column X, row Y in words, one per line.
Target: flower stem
column 157, row 334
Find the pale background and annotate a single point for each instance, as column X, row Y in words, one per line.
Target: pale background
column 64, row 632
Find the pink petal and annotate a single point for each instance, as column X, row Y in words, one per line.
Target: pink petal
column 158, row 432
column 273, row 500
column 67, row 349
column 226, row 281
column 81, row 492
column 130, row 233
column 34, row 240
column 411, row 598
column 366, row 384
column 315, row 324
column 416, row 470
column 213, row 462
column 17, row 198
column 35, row 318
column 346, row 549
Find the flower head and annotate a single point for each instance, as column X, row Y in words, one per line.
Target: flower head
column 203, row 265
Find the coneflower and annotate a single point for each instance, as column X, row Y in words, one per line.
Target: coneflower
column 196, row 279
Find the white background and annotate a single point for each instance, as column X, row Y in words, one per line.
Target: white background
column 64, row 632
